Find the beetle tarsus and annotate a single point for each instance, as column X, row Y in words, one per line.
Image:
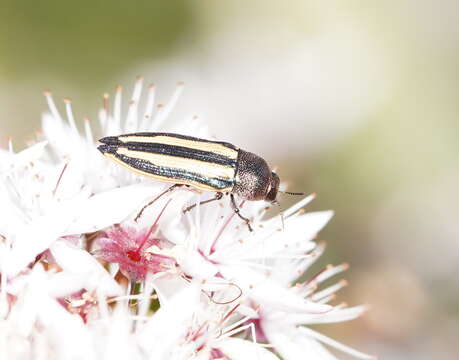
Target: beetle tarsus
column 237, row 211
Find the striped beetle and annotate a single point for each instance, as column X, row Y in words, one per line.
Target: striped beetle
column 208, row 165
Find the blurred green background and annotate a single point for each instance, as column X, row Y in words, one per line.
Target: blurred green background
column 356, row 101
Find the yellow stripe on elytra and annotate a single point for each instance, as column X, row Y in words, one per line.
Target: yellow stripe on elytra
column 190, row 144
column 166, row 179
column 203, row 168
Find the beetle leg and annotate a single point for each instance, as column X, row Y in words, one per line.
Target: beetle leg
column 217, row 196
column 238, row 212
column 168, row 190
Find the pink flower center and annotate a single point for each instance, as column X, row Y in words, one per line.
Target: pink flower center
column 134, row 255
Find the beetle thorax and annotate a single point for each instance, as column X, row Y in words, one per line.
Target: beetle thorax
column 253, row 177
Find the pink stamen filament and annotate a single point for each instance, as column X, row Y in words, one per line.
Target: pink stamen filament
column 134, row 255
column 229, row 314
column 212, row 248
column 59, row 179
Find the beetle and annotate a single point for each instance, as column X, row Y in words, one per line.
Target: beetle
column 208, row 165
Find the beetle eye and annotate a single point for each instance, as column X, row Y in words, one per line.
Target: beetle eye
column 274, row 188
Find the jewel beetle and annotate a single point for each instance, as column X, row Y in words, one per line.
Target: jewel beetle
column 208, row 165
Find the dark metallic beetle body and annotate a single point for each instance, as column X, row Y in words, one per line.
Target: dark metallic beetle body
column 209, row 165
column 253, row 180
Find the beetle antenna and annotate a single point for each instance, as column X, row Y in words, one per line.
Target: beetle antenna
column 291, row 193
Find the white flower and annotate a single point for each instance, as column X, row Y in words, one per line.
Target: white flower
column 80, row 279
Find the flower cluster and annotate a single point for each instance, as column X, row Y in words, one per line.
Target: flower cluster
column 82, row 278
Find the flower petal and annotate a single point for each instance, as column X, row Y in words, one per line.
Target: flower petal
column 334, row 316
column 110, row 207
column 337, row 345
column 239, row 349
column 85, row 268
column 292, row 345
column 269, row 293
column 168, row 325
